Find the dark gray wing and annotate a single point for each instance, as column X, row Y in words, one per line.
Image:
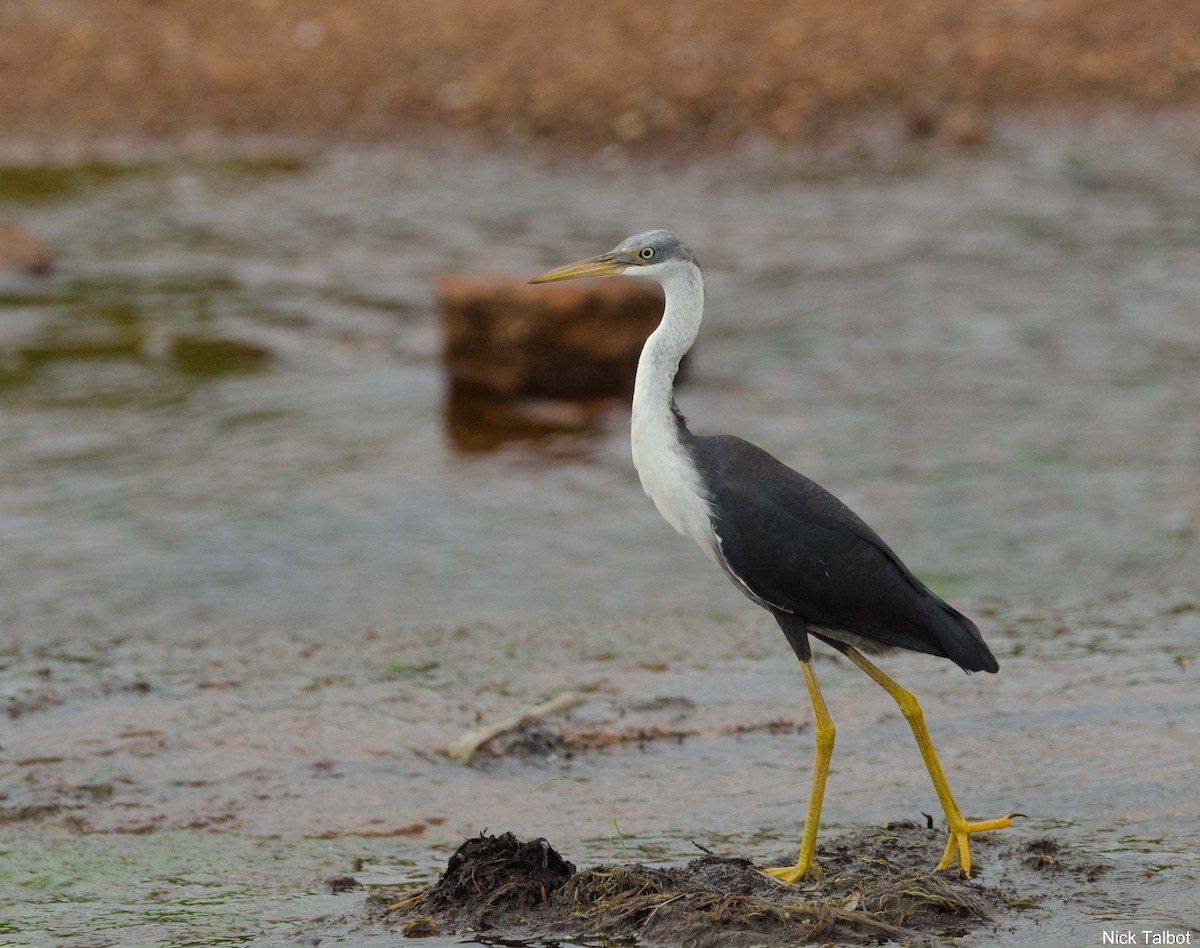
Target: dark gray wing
column 796, row 547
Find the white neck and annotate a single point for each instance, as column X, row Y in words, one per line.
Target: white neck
column 665, row 466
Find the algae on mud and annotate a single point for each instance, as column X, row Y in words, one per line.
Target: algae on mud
column 180, row 888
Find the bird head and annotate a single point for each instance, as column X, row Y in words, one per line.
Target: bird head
column 655, row 254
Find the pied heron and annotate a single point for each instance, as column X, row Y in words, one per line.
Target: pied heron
column 784, row 541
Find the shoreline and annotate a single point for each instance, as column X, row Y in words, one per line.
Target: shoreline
column 368, row 69
column 863, row 137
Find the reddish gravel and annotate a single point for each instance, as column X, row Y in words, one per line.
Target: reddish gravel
column 682, row 71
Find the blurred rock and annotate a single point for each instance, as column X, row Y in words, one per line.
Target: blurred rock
column 964, row 126
column 967, row 128
column 570, row 340
column 23, row 252
column 920, row 118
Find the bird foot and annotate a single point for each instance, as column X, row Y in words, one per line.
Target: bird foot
column 789, row 875
column 957, row 848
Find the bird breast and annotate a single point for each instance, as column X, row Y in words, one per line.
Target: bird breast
column 670, row 478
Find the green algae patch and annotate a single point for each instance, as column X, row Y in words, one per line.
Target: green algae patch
column 198, row 355
column 51, row 182
column 177, row 888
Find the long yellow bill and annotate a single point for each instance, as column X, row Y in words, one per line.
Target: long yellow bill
column 602, row 266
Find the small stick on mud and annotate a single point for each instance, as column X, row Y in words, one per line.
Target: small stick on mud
column 464, row 749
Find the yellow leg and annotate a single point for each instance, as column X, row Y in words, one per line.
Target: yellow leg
column 960, row 829
column 825, row 734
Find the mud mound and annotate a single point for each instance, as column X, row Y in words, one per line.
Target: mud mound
column 496, row 877
column 722, row 901
column 866, row 887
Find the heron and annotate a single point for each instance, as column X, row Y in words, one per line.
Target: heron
column 784, row 541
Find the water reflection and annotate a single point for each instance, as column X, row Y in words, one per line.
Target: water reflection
column 478, row 422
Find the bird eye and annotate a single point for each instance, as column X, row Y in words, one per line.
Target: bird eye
column 647, row 253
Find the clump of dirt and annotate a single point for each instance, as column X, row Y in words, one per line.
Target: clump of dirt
column 489, row 881
column 1048, row 855
column 866, row 887
column 774, row 726
column 1043, row 854
column 538, row 741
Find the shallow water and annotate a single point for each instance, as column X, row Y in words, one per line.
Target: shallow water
column 250, row 585
column 226, row 406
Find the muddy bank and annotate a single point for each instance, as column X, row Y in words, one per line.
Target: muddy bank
column 168, row 789
column 621, row 73
column 867, row 887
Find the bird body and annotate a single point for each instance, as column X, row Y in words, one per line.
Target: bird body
column 784, row 541
column 797, row 549
column 787, row 543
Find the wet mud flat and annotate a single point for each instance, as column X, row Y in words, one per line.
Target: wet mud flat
column 207, row 790
column 868, row 887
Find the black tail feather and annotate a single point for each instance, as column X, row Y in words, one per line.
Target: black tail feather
column 960, row 639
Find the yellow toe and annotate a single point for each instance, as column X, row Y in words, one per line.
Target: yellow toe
column 789, row 874
column 957, row 848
